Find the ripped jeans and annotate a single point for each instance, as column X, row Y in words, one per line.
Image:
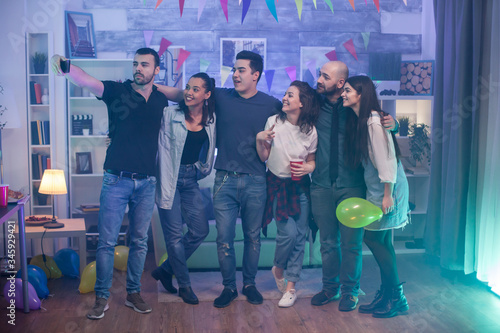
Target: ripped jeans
column 232, row 192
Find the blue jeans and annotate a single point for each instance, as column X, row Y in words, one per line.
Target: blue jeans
column 233, row 192
column 116, row 193
column 341, row 246
column 188, row 203
column 291, row 242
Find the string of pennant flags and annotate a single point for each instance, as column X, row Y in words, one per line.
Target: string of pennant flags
column 271, row 5
column 225, row 71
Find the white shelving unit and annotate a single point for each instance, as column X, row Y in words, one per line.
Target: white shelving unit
column 40, row 118
column 84, row 188
column 419, row 109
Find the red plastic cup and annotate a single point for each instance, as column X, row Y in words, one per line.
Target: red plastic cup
column 4, row 195
column 297, row 162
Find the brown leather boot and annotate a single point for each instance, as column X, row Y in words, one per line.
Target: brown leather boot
column 376, row 303
column 394, row 304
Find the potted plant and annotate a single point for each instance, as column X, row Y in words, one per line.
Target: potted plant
column 404, row 122
column 419, row 142
column 39, row 61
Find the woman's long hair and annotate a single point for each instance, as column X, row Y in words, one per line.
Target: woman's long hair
column 356, row 139
column 311, row 104
column 208, row 106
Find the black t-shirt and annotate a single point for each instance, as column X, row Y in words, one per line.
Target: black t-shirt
column 192, row 146
column 238, row 122
column 134, row 125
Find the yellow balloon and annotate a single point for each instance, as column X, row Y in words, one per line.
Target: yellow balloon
column 121, row 257
column 163, row 258
column 49, row 266
column 358, row 213
column 87, row 282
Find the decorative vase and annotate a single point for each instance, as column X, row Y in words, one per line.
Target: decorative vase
column 403, row 130
column 45, row 97
column 39, row 68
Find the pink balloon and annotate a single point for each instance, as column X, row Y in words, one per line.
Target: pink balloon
column 13, row 292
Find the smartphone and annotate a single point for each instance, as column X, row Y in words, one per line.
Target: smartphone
column 65, row 65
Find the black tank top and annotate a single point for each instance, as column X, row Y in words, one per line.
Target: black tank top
column 192, row 146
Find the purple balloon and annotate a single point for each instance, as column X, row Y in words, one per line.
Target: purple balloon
column 13, row 292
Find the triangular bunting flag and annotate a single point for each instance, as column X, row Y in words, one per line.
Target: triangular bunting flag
column 158, row 2
column 183, row 55
column 224, row 73
column 223, row 4
column 292, row 73
column 148, row 34
column 311, row 65
column 181, row 6
column 366, row 2
column 349, row 45
column 204, row 65
column 315, row 6
column 406, row 2
column 269, row 74
column 201, row 6
column 298, row 3
column 164, row 44
column 246, row 5
column 332, row 55
column 144, row 2
column 366, row 39
column 272, row 8
column 352, row 4
column 329, row 3
column 377, row 4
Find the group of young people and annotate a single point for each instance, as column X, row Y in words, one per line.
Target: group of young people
column 319, row 147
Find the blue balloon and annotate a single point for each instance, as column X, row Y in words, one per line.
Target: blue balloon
column 68, row 262
column 38, row 280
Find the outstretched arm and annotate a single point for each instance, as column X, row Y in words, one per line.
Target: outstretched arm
column 77, row 76
column 173, row 94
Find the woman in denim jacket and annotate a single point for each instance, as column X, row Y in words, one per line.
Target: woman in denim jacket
column 185, row 155
column 370, row 144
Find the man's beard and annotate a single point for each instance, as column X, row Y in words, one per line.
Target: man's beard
column 142, row 81
column 331, row 92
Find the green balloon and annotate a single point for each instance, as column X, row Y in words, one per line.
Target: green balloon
column 163, row 258
column 358, row 213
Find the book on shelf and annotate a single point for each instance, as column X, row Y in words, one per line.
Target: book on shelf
column 93, row 207
column 39, row 163
column 32, row 92
column 38, row 93
column 79, row 122
column 40, row 132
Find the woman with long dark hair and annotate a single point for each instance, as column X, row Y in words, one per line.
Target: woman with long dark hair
column 370, row 144
column 290, row 136
column 186, row 154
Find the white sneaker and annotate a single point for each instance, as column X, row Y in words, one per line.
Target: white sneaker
column 288, row 299
column 280, row 283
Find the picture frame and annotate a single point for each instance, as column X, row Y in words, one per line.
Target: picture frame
column 169, row 75
column 80, row 36
column 416, row 77
column 230, row 47
column 83, row 163
column 315, row 54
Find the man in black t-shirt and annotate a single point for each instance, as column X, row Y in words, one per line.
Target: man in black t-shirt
column 135, row 109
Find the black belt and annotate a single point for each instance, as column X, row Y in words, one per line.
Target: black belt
column 126, row 174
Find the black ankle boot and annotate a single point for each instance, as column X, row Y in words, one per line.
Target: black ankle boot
column 188, row 296
column 376, row 303
column 394, row 303
column 165, row 279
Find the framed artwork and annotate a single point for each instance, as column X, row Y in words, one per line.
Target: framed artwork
column 80, row 36
column 416, row 77
column 311, row 59
column 230, row 47
column 169, row 75
column 83, row 163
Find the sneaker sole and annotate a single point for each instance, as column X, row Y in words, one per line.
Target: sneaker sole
column 98, row 317
column 220, row 306
column 131, row 305
column 334, row 298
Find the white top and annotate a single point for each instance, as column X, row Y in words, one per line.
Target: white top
column 289, row 144
column 381, row 150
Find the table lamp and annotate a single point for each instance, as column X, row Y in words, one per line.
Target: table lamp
column 53, row 182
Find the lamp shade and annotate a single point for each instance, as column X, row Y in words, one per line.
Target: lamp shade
column 53, row 182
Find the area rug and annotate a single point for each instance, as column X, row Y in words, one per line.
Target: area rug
column 208, row 285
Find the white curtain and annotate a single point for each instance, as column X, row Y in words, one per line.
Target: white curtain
column 486, row 258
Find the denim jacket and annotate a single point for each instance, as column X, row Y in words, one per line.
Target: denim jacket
column 173, row 133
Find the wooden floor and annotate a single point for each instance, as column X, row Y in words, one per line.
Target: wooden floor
column 438, row 303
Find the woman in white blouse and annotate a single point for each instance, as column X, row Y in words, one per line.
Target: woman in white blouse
column 369, row 143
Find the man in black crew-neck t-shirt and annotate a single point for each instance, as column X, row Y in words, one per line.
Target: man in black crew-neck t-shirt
column 135, row 109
